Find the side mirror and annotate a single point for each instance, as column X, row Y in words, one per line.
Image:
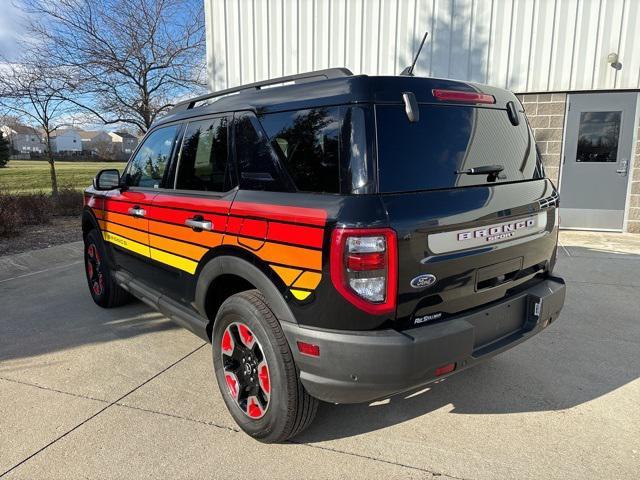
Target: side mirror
column 107, row 179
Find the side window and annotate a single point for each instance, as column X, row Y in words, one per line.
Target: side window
column 147, row 168
column 204, row 163
column 256, row 160
column 308, row 142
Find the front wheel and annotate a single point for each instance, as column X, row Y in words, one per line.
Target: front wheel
column 256, row 372
column 103, row 287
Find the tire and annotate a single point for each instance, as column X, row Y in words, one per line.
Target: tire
column 278, row 407
column 102, row 286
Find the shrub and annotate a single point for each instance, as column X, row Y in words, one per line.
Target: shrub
column 35, row 208
column 16, row 211
column 69, row 201
column 9, row 216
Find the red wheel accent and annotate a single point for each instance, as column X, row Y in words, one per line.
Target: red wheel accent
column 232, row 383
column 254, row 409
column 245, row 335
column 246, row 371
column 263, row 377
column 227, row 343
column 89, row 269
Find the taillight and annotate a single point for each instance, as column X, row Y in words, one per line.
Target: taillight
column 364, row 267
column 466, row 97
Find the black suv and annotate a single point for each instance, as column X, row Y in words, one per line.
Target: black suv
column 336, row 237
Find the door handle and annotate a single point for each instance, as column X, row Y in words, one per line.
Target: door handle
column 198, row 224
column 623, row 168
column 137, row 211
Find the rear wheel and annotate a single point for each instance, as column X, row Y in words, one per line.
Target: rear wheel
column 104, row 290
column 256, row 372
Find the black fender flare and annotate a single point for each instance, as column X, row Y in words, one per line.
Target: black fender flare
column 88, row 217
column 226, row 264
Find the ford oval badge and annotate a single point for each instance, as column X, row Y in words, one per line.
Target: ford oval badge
column 422, row 281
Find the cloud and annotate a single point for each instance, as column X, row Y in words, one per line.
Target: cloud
column 12, row 22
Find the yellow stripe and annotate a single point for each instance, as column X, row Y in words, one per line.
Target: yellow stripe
column 173, row 260
column 126, row 243
column 300, row 294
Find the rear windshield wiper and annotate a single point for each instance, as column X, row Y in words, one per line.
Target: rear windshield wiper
column 484, row 170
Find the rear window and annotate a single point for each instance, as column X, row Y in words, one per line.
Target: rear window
column 427, row 154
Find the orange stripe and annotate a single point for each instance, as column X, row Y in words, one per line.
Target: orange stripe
column 206, row 239
column 309, row 280
column 177, row 247
column 288, row 275
column 128, row 220
column 289, row 255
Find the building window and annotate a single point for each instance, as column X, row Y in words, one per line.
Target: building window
column 598, row 136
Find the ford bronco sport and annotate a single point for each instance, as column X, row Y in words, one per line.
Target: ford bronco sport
column 336, row 237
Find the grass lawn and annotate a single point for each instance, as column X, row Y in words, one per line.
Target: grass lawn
column 28, row 176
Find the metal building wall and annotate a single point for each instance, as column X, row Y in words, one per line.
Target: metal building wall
column 523, row 45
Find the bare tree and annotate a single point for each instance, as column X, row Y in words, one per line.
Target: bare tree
column 36, row 95
column 133, row 59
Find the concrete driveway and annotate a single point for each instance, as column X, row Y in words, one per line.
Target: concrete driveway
column 124, row 393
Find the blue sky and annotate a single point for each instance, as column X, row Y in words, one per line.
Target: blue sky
column 10, row 28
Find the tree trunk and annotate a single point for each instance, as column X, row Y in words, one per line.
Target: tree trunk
column 52, row 168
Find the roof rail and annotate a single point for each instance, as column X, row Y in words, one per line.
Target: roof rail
column 297, row 78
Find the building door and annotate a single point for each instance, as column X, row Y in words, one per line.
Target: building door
column 597, row 160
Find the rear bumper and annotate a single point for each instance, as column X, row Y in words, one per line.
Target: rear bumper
column 365, row 366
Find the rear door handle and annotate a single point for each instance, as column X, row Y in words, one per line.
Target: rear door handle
column 199, row 224
column 137, row 211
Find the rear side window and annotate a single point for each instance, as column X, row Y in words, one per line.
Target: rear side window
column 427, row 154
column 204, row 159
column 308, row 143
column 257, row 161
column 147, row 168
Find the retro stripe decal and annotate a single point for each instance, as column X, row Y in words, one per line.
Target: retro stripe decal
column 289, row 239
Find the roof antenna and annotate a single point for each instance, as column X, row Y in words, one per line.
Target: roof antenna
column 408, row 71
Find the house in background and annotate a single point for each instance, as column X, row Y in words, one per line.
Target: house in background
column 66, row 141
column 123, row 143
column 97, row 143
column 24, row 139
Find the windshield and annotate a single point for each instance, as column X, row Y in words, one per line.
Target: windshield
column 426, row 154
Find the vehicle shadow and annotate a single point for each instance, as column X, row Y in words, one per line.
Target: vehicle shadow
column 592, row 350
column 54, row 312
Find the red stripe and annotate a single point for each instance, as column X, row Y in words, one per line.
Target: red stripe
column 118, row 207
column 298, row 234
column 180, row 216
column 313, row 216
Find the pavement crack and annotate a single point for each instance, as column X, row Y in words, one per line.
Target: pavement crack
column 116, row 401
column 293, row 442
column 179, row 417
column 41, row 271
column 389, row 462
column 49, row 389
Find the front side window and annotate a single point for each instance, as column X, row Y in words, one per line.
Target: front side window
column 204, row 163
column 147, row 168
column 308, row 142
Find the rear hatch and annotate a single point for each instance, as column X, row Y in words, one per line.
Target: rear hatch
column 463, row 239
